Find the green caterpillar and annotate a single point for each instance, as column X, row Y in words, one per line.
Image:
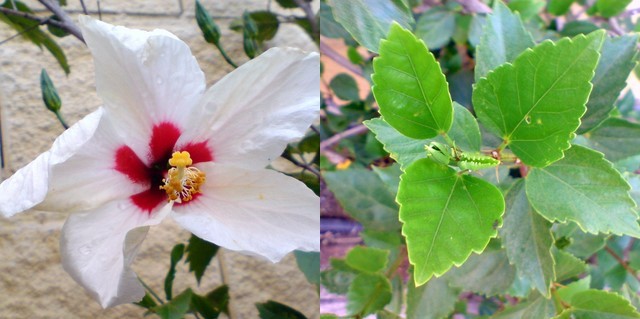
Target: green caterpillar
column 448, row 155
column 476, row 161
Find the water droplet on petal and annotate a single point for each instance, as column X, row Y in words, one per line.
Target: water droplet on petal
column 528, row 119
column 85, row 250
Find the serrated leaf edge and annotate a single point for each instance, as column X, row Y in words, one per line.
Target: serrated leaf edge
column 454, row 263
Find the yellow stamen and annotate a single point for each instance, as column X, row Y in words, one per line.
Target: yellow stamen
column 182, row 182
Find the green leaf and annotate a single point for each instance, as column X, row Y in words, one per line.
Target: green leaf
column 489, row 273
column 599, row 304
column 328, row 316
column 396, row 305
column 559, row 7
column 354, row 56
column 582, row 244
column 363, row 195
column 57, row 31
column 618, row 58
column 433, row 300
column 339, row 277
column 435, row 27
column 405, row 150
column 176, row 255
column 503, row 39
column 219, row 299
column 345, row 87
column 390, row 176
column 584, row 188
column 367, row 259
column 631, row 295
column 57, row 52
column 176, row 308
column 368, row 21
column 527, row 8
column 519, row 101
column 446, row 216
column 527, row 239
column 385, row 314
column 616, row 138
column 199, row 255
column 288, row 4
column 567, row 292
column 30, row 29
column 611, row 8
column 276, row 310
column 381, row 239
column 567, row 265
column 368, row 293
column 464, row 130
column 330, row 28
column 476, row 30
column 410, row 88
column 147, row 302
column 267, row 24
column 204, row 307
column 573, row 28
column 535, row 307
column 309, row 264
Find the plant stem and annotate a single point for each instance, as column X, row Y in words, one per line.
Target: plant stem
column 396, row 264
column 356, row 130
column 150, row 291
column 67, row 22
column 225, row 56
column 311, row 17
column 327, row 51
column 304, row 166
column 448, row 140
column 621, row 261
column 389, row 274
column 62, row 121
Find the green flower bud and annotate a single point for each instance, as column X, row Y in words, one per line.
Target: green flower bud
column 250, row 45
column 208, row 27
column 250, row 26
column 439, row 152
column 49, row 93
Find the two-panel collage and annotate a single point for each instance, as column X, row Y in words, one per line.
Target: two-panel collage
column 319, row 159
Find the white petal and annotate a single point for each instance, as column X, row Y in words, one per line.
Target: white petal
column 29, row 185
column 99, row 246
column 144, row 78
column 88, row 179
column 259, row 212
column 253, row 112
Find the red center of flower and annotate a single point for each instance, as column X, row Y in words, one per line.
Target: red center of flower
column 163, row 141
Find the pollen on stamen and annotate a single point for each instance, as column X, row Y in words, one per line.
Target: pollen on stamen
column 182, row 182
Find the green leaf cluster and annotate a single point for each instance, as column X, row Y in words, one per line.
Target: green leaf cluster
column 545, row 107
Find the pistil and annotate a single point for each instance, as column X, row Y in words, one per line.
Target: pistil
column 183, row 181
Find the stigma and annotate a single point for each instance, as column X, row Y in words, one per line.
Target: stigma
column 183, row 181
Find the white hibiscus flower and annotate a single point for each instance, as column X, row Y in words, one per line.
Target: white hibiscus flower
column 162, row 146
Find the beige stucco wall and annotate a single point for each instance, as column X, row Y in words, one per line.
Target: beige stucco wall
column 32, row 281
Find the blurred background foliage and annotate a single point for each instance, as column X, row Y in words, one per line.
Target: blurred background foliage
column 360, row 179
